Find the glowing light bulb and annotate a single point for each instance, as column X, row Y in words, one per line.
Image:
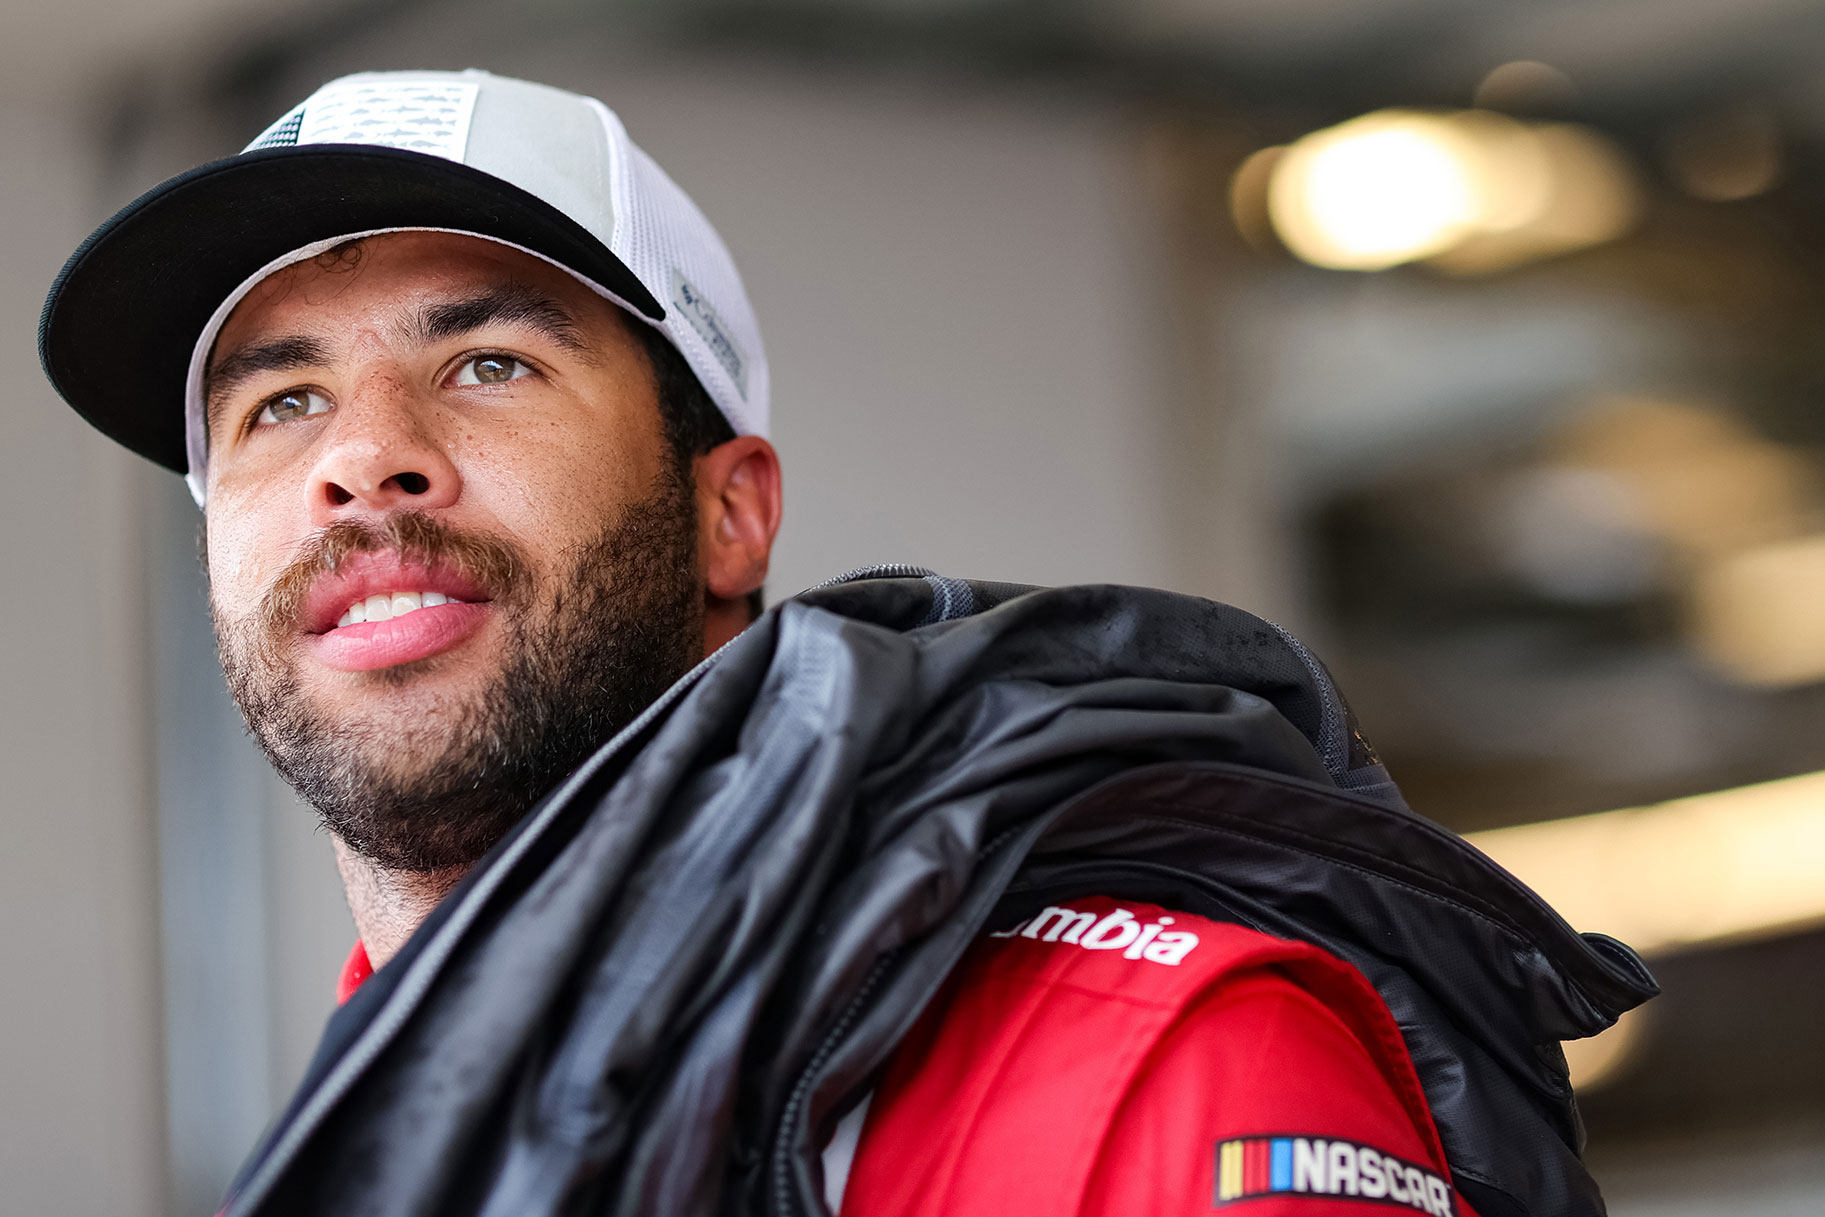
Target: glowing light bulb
column 1470, row 191
column 1380, row 190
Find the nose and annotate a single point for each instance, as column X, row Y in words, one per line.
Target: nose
column 380, row 454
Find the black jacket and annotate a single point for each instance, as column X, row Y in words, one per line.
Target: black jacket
column 658, row 995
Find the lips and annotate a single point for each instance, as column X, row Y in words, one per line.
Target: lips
column 371, row 645
column 376, row 610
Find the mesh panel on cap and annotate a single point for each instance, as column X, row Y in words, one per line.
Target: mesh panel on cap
column 667, row 242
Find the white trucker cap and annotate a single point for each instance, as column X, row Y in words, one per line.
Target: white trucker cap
column 128, row 328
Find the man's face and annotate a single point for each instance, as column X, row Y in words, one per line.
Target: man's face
column 449, row 549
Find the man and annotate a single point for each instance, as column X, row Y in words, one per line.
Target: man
column 1090, row 900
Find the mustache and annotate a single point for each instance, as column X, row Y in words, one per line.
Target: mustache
column 416, row 537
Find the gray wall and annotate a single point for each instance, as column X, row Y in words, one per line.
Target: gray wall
column 954, row 293
column 80, row 1066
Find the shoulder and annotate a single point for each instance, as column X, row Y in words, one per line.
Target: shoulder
column 1098, row 1056
column 1137, row 972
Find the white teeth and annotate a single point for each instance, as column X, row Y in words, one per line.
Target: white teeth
column 387, row 605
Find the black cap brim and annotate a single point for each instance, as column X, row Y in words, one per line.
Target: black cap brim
column 125, row 312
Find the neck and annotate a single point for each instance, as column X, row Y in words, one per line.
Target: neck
column 389, row 905
column 722, row 620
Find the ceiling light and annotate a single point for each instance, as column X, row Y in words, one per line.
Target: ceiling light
column 1736, row 864
column 1758, row 615
column 1705, row 481
column 1729, row 155
column 1377, row 191
column 1472, row 191
column 1524, row 85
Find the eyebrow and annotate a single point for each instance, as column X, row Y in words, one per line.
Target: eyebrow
column 277, row 355
column 510, row 303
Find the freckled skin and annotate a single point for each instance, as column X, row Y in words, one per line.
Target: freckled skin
column 541, row 461
column 546, row 487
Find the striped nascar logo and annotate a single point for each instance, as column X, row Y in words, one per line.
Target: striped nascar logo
column 1253, row 1167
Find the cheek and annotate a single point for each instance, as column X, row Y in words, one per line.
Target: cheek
column 552, row 483
column 242, row 559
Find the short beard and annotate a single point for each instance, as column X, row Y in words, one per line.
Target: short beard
column 624, row 623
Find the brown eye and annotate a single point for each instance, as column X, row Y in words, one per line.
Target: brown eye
column 491, row 370
column 292, row 404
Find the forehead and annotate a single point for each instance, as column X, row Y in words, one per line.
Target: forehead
column 384, row 278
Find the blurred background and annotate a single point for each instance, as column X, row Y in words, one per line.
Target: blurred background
column 1477, row 342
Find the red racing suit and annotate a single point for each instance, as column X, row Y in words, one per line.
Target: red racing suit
column 1113, row 1059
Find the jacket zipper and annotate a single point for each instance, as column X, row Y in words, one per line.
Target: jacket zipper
column 801, row 1090
column 784, row 1205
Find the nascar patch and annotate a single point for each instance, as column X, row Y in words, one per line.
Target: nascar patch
column 1249, row 1168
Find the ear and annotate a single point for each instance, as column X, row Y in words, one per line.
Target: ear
column 738, row 512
